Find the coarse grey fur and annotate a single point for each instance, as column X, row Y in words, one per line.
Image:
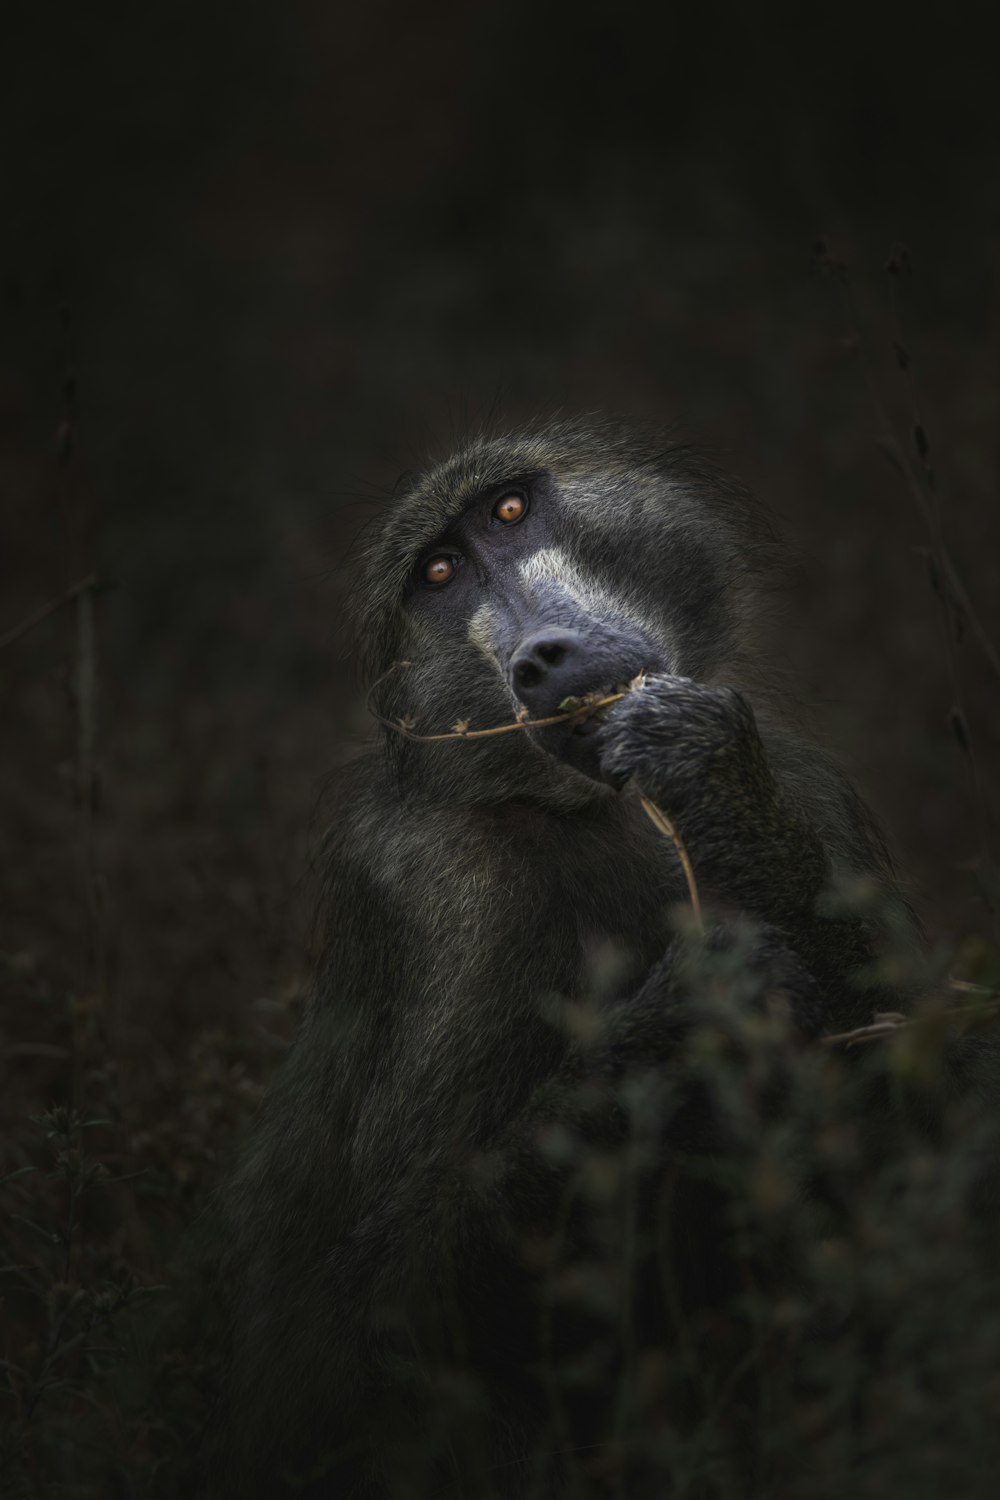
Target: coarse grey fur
column 500, row 954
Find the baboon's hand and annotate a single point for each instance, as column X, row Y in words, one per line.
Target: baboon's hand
column 685, row 745
column 696, row 752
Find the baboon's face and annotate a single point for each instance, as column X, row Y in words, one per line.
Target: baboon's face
column 502, row 580
column 524, row 572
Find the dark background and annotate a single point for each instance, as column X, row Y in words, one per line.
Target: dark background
column 257, row 260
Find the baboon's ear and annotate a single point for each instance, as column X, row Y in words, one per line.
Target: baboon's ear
column 406, row 483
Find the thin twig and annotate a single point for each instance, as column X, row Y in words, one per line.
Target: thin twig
column 915, row 482
column 87, row 779
column 889, row 1023
column 85, row 695
column 660, row 820
column 82, row 586
column 966, row 987
column 462, row 732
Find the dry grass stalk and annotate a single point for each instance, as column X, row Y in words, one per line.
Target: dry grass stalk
column 660, row 820
column 83, row 586
column 461, row 730
column 888, row 1023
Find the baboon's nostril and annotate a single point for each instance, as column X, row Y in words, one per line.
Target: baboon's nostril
column 552, row 652
column 527, row 675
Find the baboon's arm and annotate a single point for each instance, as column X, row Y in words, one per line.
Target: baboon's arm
column 769, row 824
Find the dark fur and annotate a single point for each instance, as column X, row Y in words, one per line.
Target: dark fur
column 499, row 959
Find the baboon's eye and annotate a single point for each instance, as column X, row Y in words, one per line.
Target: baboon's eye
column 510, row 509
column 438, row 570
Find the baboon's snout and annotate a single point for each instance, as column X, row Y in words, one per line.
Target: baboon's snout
column 552, row 664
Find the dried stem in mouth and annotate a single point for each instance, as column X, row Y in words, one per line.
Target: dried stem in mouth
column 580, row 709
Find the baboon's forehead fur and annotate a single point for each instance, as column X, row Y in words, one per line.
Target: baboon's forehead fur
column 609, row 474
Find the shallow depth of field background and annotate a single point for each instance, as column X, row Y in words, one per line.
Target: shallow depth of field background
column 256, row 261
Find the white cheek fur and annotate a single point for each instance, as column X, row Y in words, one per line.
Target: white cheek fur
column 550, row 565
column 482, row 632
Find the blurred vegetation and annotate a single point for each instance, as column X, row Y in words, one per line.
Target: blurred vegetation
column 98, row 1192
column 858, row 1352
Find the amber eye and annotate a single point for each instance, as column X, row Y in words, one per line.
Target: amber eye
column 510, row 509
column 438, row 570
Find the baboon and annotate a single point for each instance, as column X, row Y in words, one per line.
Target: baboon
column 511, row 964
